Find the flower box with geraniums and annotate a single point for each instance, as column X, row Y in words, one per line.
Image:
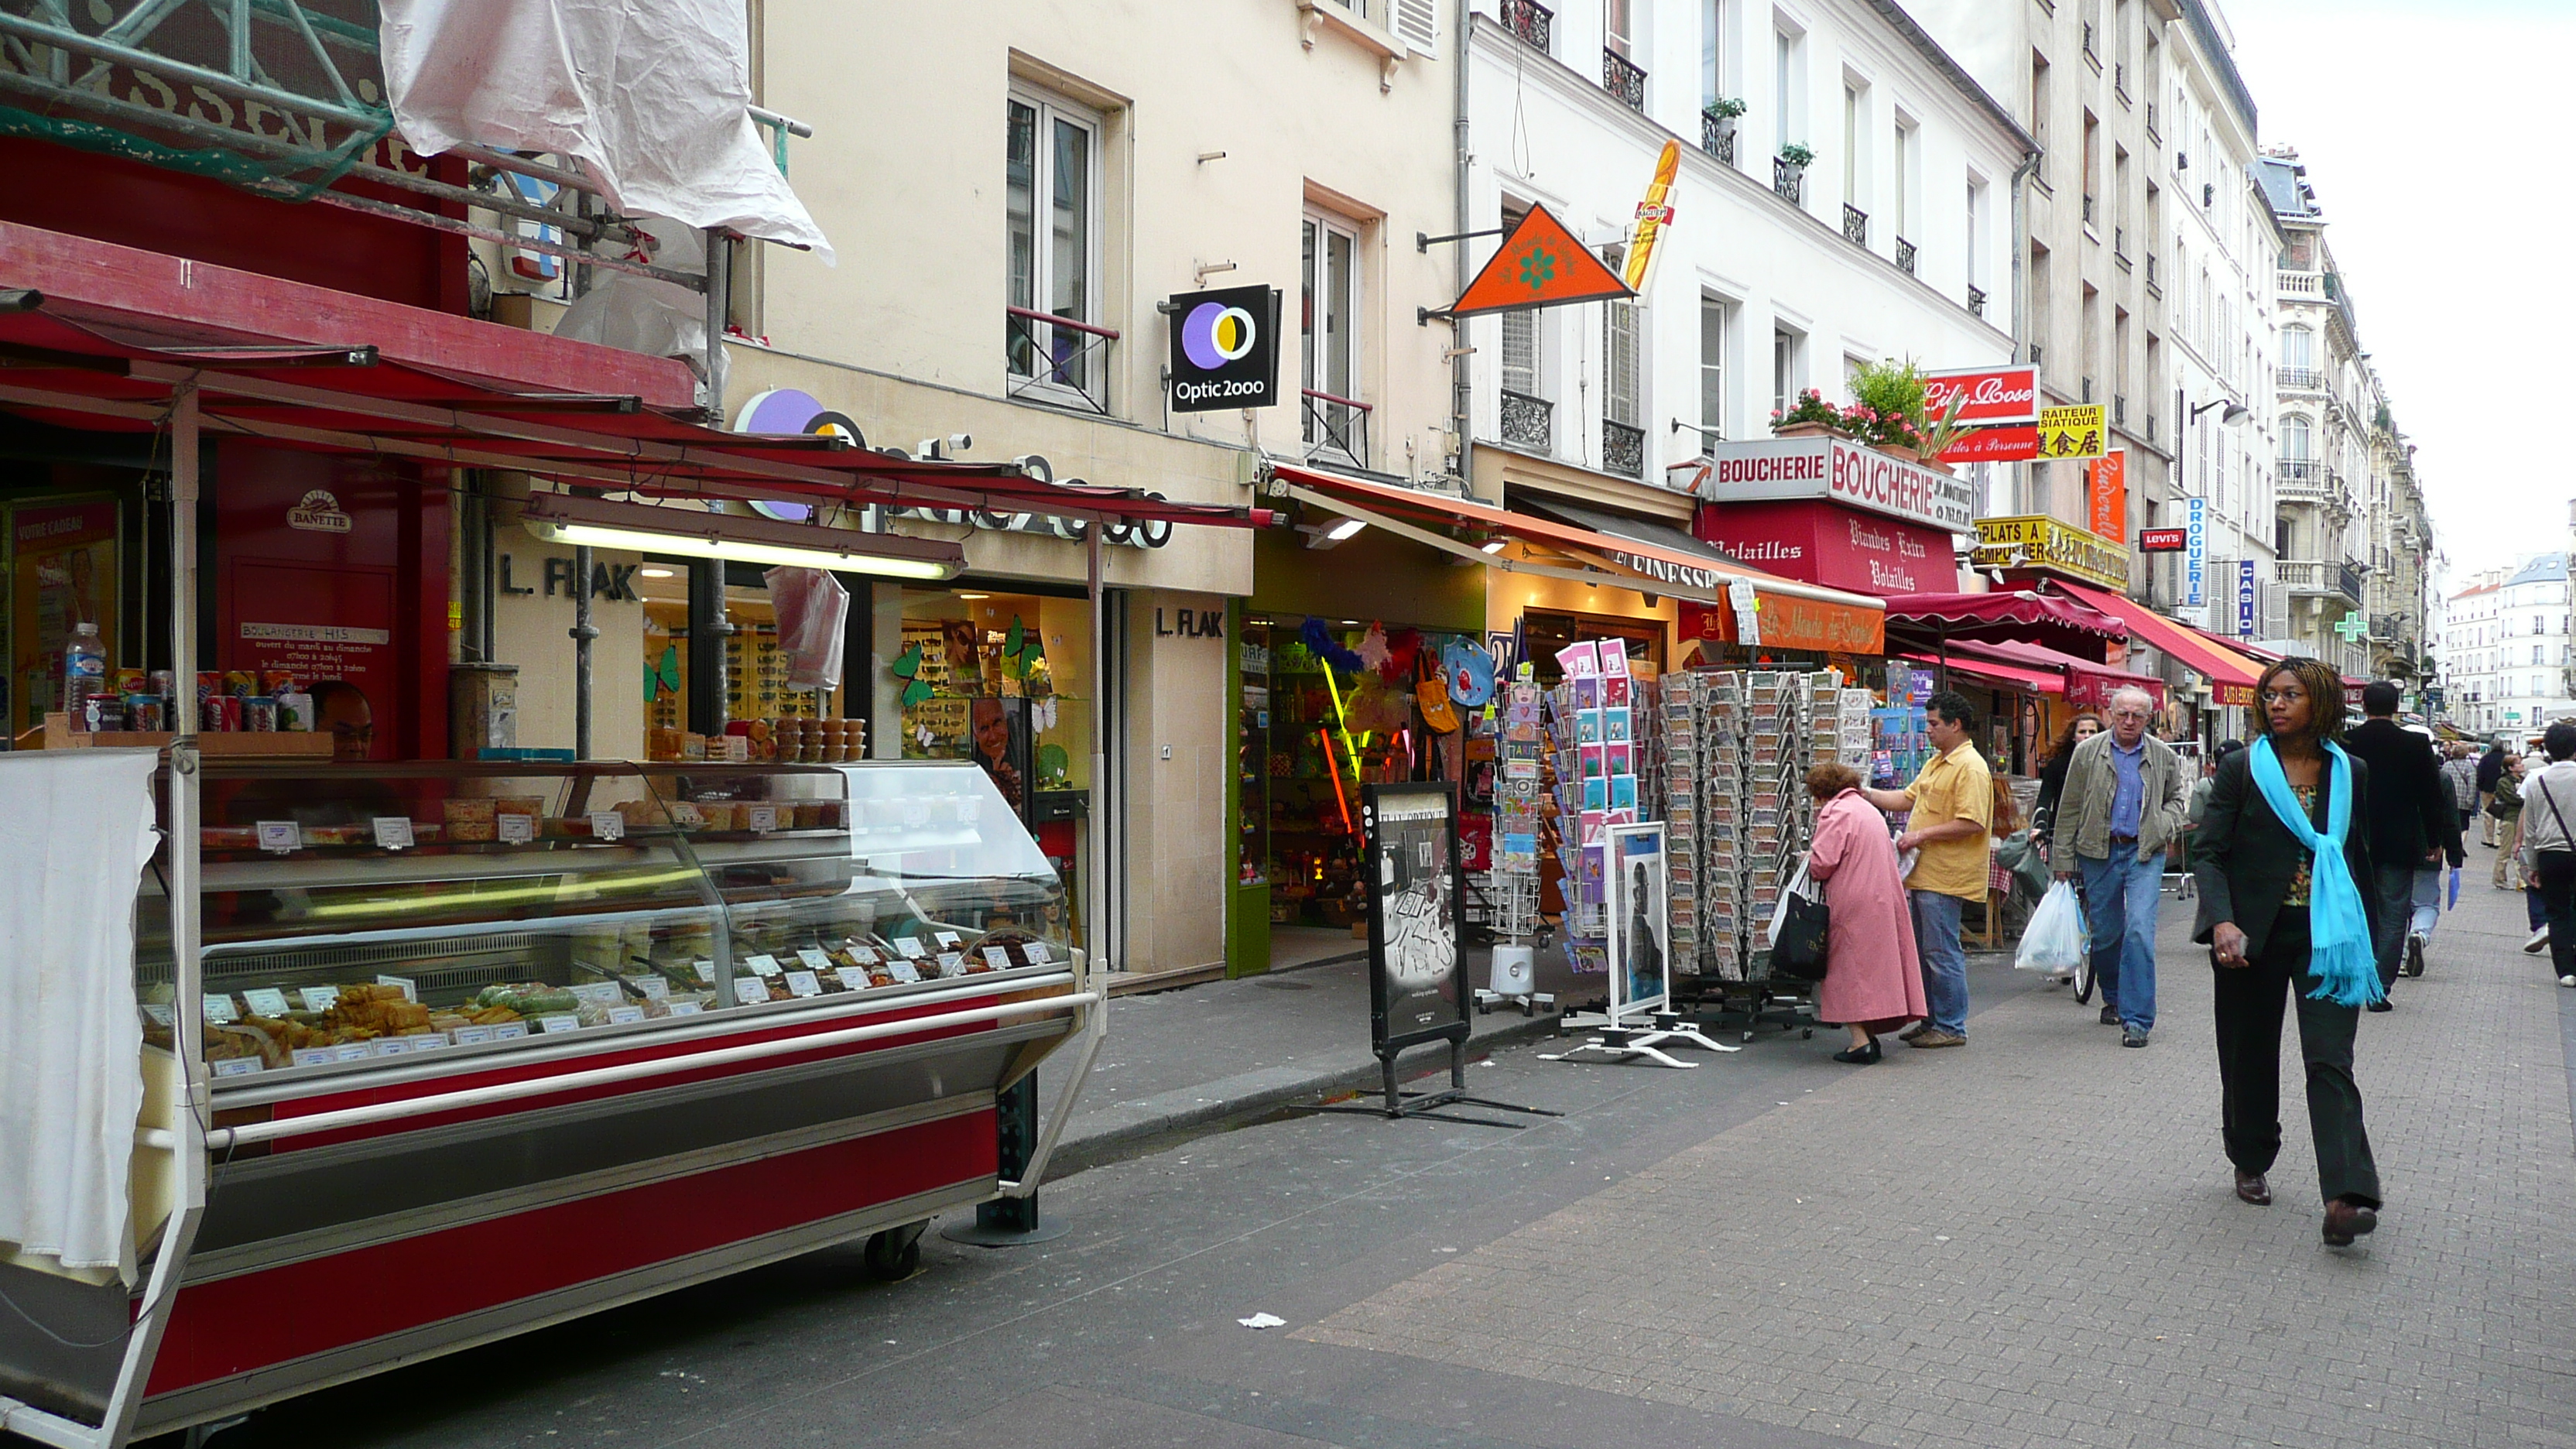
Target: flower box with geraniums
column 1813, row 416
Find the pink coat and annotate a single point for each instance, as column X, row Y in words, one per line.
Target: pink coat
column 1872, row 974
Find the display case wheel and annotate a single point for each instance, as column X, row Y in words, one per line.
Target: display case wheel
column 1806, row 1033
column 895, row 1254
column 2084, row 979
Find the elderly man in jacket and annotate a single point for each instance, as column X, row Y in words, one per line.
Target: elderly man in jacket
column 2123, row 803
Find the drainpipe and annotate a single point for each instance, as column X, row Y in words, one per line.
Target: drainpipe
column 2021, row 294
column 1462, row 382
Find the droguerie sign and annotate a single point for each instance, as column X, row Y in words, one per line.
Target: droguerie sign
column 1834, row 470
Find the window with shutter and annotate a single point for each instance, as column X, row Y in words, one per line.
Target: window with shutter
column 1619, row 401
column 1417, row 23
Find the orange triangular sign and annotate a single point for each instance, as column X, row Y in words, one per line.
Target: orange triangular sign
column 1540, row 265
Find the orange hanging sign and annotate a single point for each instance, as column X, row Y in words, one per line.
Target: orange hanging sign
column 1541, row 264
column 2110, row 496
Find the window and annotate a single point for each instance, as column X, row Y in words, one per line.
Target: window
column 1855, row 113
column 1976, row 251
column 1329, row 343
column 1784, row 369
column 1712, row 52
column 1900, row 179
column 1052, row 185
column 1621, row 400
column 1618, row 27
column 1712, row 371
column 2039, row 113
column 1784, row 88
column 2298, row 348
column 2297, row 438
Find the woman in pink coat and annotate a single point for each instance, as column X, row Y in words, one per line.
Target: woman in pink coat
column 1873, row 979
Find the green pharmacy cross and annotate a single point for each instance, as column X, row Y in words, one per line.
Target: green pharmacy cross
column 2351, row 627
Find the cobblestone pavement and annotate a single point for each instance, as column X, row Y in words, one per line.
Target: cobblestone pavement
column 2033, row 1241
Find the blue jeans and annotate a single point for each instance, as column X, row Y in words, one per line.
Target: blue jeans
column 1945, row 961
column 2395, row 887
column 2120, row 899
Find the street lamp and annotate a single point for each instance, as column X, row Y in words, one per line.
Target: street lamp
column 2235, row 415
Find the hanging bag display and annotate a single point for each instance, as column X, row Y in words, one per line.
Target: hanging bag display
column 1432, row 692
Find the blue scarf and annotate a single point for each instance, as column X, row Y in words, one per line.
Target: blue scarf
column 2339, row 953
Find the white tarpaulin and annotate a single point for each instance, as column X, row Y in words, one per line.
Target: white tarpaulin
column 653, row 98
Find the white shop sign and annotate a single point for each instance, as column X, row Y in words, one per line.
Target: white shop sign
column 1835, row 470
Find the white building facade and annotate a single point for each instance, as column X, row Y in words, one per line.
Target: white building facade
column 1894, row 241
column 2505, row 649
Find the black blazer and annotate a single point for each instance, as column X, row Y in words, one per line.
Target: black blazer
column 2411, row 810
column 2243, row 858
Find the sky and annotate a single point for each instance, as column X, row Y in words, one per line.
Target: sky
column 2430, row 130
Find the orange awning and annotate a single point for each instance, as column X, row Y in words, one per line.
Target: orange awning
column 1795, row 615
column 2231, row 675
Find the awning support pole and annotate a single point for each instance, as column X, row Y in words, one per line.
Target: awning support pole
column 719, row 312
column 583, row 631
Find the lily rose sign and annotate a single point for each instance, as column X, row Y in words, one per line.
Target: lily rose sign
column 2000, row 403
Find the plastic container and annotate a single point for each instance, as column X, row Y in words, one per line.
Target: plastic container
column 84, row 671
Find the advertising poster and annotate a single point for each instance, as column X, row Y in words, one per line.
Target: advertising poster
column 1640, row 975
column 63, row 573
column 1415, row 990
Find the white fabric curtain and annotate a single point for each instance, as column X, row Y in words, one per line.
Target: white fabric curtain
column 71, row 1076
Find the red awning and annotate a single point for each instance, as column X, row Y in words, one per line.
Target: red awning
column 1794, row 615
column 2089, row 682
column 103, row 337
column 2010, row 676
column 2019, row 616
column 2231, row 675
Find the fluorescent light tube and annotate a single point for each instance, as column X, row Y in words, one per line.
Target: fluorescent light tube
column 686, row 533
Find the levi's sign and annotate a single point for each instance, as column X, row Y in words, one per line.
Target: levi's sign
column 1837, row 470
column 2163, row 540
column 1986, row 395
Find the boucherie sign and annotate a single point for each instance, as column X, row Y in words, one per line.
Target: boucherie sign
column 1836, row 470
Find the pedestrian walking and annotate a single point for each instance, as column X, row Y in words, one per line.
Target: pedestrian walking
column 2198, row 804
column 1873, row 976
column 2490, row 767
column 2549, row 847
column 2123, row 804
column 2462, row 772
column 2052, row 775
column 2412, row 823
column 1948, row 807
column 2504, row 807
column 2279, row 858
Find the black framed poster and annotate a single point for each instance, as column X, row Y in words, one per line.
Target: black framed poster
column 1416, row 989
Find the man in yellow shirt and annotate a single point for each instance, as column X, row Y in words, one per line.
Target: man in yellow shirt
column 1949, row 806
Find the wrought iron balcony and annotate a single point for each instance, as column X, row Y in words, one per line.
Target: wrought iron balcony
column 2119, row 410
column 1855, row 224
column 1528, row 422
column 2088, row 44
column 2120, row 244
column 1717, row 136
column 2348, row 577
column 2088, row 390
column 1623, row 449
column 1056, row 359
column 1336, row 427
column 1905, row 255
column 2152, row 284
column 2302, row 379
column 2090, row 209
column 1976, row 301
column 1623, row 78
column 2152, row 133
column 1787, row 179
column 2038, row 355
column 1532, row 23
column 2151, row 427
column 2120, row 79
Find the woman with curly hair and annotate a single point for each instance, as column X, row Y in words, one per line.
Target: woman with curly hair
column 2279, row 860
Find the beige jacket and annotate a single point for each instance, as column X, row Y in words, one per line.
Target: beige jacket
column 2084, row 810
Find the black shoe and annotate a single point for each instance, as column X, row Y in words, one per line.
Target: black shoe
column 2134, row 1036
column 2383, row 1004
column 2251, row 1188
column 2110, row 1016
column 2346, row 1221
column 1860, row 1056
column 2414, row 955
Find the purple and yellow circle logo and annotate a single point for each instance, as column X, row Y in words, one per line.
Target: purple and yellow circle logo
column 1213, row 335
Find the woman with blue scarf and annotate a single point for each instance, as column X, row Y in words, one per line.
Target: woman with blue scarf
column 2279, row 857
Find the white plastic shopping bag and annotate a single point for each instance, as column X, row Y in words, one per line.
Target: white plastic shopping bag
column 2056, row 939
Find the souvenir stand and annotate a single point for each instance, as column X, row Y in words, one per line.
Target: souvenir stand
column 437, row 1052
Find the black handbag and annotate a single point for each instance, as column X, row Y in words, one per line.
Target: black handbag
column 1799, row 953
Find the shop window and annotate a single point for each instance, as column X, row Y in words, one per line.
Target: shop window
column 1056, row 347
column 1329, row 346
column 1544, row 632
column 62, row 567
column 755, row 666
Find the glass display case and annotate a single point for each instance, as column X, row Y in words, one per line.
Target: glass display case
column 355, row 918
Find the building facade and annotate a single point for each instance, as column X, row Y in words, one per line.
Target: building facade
column 2505, row 649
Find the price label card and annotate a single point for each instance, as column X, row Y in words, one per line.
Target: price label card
column 429, row 1043
column 909, row 948
column 563, row 1021
column 948, row 940
column 814, row 958
column 625, row 1015
column 220, row 1008
column 265, row 1001
column 160, row 1014
column 903, row 971
column 236, row 1066
column 316, row 1056
column 952, row 963
column 280, row 836
column 762, row 819
column 997, row 958
column 410, row 988
column 863, row 954
column 1038, row 953
column 607, row 825
column 391, row 1046
column 319, row 998
column 706, row 971
column 803, row 983
column 509, row 1031
column 356, row 1051
column 473, row 1035
column 599, row 993
column 653, row 987
column 393, row 832
column 516, row 829
column 684, row 1008
column 749, row 991
column 851, row 978
column 762, row 965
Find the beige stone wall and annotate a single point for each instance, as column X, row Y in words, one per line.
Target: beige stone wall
column 534, row 631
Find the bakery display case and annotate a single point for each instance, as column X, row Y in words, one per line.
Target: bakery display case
column 662, row 1021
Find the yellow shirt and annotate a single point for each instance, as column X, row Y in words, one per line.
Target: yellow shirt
column 1955, row 786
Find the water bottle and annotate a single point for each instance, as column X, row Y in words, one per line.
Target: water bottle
column 84, row 672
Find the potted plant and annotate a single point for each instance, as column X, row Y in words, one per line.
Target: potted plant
column 1797, row 157
column 1721, row 115
column 1886, row 410
column 1811, row 416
